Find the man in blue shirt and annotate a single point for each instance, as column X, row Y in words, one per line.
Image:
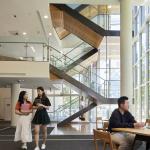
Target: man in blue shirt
column 122, row 118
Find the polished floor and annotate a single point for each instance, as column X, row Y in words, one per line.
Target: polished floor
column 77, row 136
column 82, row 128
column 71, row 137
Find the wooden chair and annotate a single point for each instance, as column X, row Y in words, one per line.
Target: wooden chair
column 147, row 122
column 97, row 121
column 105, row 125
column 105, row 137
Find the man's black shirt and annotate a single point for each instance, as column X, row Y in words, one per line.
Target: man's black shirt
column 118, row 120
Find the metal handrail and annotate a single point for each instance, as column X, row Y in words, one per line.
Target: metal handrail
column 73, row 61
column 69, row 103
column 79, row 72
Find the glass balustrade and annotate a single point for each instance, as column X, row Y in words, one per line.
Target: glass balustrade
column 27, row 51
column 107, row 17
column 66, row 110
column 83, row 75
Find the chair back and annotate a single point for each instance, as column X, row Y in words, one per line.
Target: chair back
column 147, row 122
column 98, row 119
column 103, row 136
column 105, row 125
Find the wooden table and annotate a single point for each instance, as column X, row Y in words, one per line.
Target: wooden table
column 142, row 134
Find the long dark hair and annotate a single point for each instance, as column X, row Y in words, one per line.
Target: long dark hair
column 42, row 89
column 21, row 95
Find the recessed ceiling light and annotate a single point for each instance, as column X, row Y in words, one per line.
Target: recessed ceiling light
column 24, row 33
column 109, row 6
column 49, row 33
column 46, row 17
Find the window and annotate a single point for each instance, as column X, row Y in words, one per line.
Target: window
column 143, row 103
column 143, row 42
column 143, row 70
column 141, row 61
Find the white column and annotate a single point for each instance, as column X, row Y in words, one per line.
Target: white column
column 15, row 90
column 34, row 94
column 126, row 48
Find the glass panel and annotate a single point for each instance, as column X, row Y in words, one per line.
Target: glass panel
column 87, row 76
column 149, row 100
column 24, row 51
column 143, row 103
column 137, row 105
column 149, row 65
column 73, row 6
column 149, row 35
column 143, row 43
column 105, row 111
column 114, row 22
column 107, row 18
column 136, row 75
column 142, row 9
column 143, row 70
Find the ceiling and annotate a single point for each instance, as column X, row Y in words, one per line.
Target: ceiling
column 18, row 16
column 27, row 82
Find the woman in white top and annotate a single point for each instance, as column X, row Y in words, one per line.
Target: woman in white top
column 24, row 111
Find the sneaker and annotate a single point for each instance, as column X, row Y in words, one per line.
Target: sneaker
column 24, row 146
column 43, row 146
column 37, row 148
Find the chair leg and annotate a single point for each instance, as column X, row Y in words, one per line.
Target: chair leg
column 147, row 145
column 104, row 145
column 96, row 146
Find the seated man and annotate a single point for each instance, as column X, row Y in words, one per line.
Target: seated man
column 122, row 118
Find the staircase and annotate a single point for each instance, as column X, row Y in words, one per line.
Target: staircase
column 76, row 115
column 63, row 17
column 60, row 71
column 65, row 21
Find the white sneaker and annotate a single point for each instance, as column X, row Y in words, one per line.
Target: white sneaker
column 24, row 146
column 43, row 146
column 37, row 148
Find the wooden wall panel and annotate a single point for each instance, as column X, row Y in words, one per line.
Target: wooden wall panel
column 85, row 33
column 57, row 16
column 63, row 21
column 53, row 77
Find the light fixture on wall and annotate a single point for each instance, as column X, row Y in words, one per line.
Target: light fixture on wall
column 24, row 33
column 109, row 6
column 50, row 34
column 45, row 17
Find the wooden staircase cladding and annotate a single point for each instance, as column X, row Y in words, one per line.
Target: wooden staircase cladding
column 54, row 77
column 63, row 20
column 89, row 12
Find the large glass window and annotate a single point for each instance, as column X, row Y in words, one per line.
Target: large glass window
column 143, row 103
column 141, row 61
column 143, row 70
column 148, row 100
column 143, row 42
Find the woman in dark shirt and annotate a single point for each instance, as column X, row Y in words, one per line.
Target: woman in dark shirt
column 41, row 118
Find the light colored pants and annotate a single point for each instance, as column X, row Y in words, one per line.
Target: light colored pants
column 23, row 129
column 125, row 141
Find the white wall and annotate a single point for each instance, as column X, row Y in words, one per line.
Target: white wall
column 5, row 103
column 24, row 69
